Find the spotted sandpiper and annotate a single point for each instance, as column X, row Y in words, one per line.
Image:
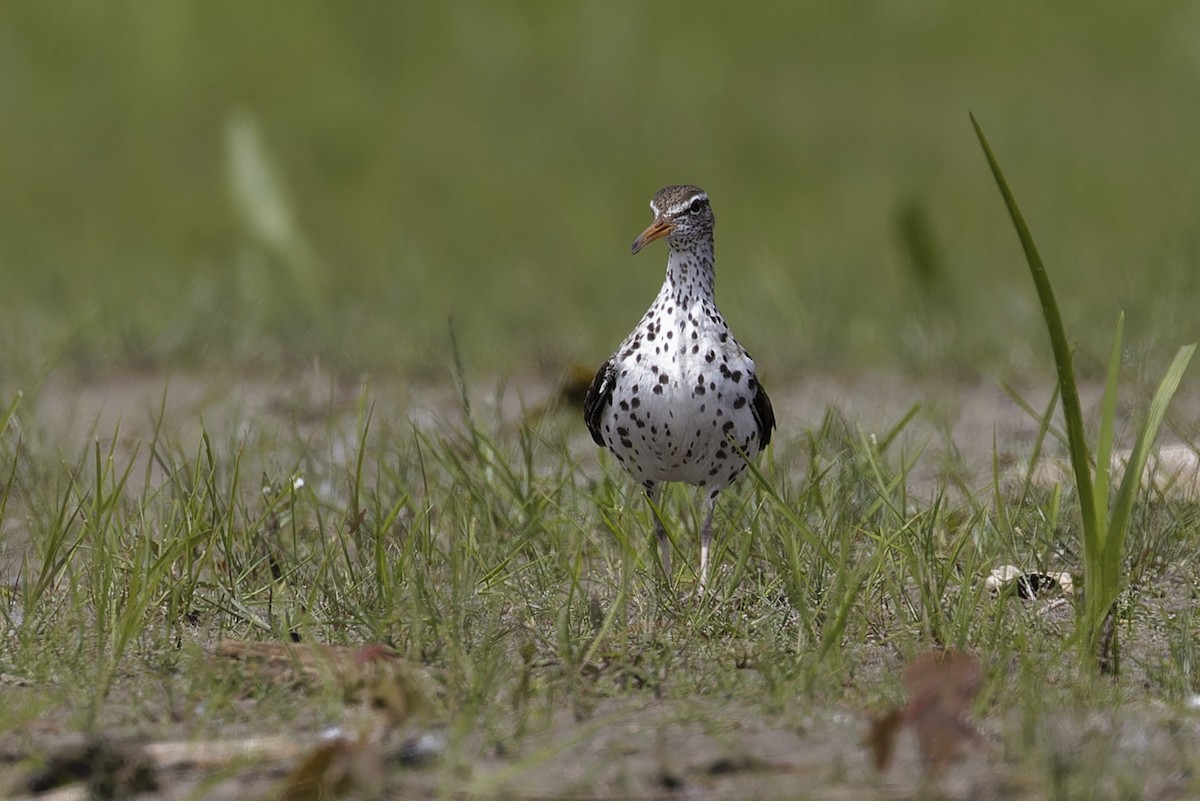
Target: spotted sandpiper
column 679, row 400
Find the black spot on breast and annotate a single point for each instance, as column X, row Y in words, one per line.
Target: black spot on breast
column 658, row 389
column 740, row 402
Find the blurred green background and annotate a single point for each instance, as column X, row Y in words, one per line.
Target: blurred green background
column 188, row 184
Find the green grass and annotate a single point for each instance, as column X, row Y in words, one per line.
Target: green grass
column 520, row 575
column 1104, row 528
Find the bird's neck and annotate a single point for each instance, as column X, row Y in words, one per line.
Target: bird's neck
column 690, row 271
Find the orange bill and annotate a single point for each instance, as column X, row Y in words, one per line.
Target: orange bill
column 657, row 230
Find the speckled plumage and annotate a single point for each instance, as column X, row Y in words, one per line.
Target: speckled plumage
column 680, row 398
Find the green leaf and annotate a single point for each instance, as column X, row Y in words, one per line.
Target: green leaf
column 1072, row 412
column 1123, row 504
column 1108, row 414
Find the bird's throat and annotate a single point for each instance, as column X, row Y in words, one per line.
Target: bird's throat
column 691, row 271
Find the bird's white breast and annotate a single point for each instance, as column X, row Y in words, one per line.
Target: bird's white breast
column 683, row 398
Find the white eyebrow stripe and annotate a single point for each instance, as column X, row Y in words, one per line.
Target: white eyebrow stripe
column 679, row 207
column 653, row 208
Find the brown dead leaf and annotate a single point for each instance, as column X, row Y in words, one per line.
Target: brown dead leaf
column 941, row 686
column 334, row 768
column 881, row 737
column 951, row 678
column 373, row 673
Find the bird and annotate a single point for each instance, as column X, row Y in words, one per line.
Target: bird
column 680, row 400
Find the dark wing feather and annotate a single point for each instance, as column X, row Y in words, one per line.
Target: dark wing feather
column 598, row 399
column 764, row 415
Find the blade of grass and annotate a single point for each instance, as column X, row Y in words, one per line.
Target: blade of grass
column 1103, row 532
column 1123, row 503
column 1108, row 413
column 1072, row 411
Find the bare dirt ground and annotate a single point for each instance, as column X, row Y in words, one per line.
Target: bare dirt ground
column 642, row 748
column 966, row 417
column 959, row 426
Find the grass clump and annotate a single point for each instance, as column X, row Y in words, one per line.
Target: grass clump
column 1104, row 526
column 494, row 555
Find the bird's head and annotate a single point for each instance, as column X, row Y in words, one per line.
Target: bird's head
column 681, row 214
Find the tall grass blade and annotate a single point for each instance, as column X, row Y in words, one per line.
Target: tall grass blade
column 1044, row 421
column 263, row 206
column 1103, row 531
column 1108, row 413
column 10, row 411
column 1123, row 503
column 1072, row 411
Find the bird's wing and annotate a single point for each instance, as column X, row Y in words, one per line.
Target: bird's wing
column 764, row 415
column 598, row 399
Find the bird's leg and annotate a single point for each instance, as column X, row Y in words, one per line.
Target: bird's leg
column 660, row 531
column 706, row 541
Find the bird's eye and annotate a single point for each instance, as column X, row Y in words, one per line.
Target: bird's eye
column 696, row 207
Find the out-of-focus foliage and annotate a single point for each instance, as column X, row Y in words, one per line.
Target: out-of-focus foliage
column 494, row 160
